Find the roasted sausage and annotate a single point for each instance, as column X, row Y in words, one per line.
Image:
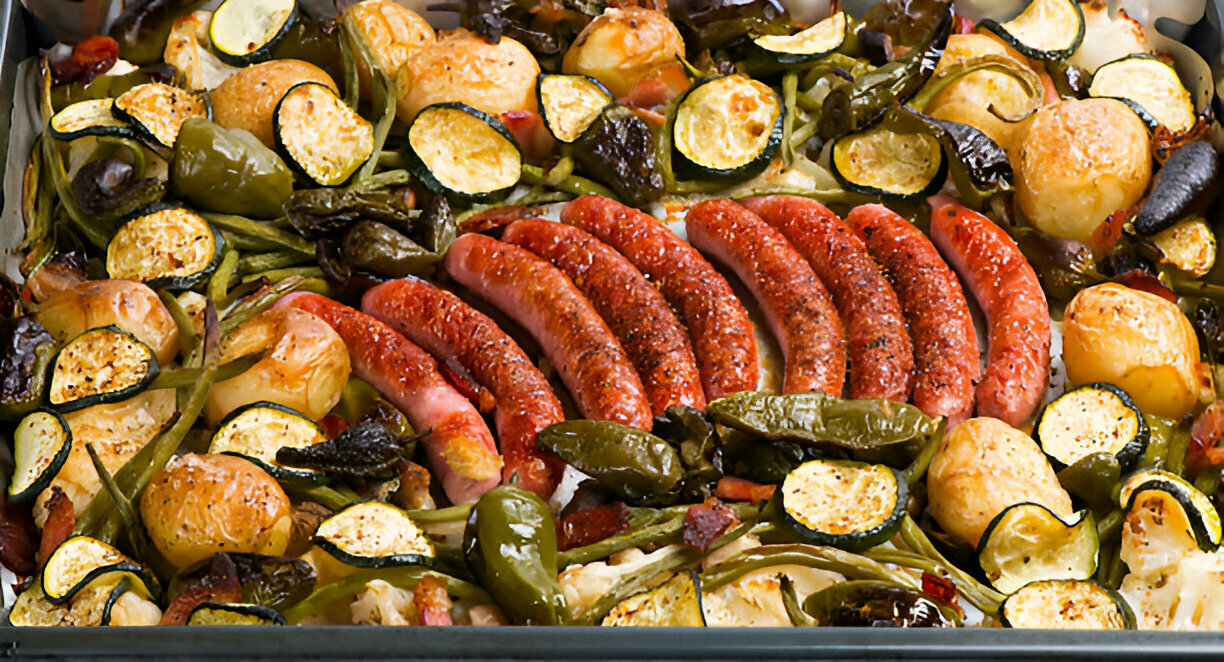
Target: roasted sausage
column 449, row 328
column 633, row 309
column 946, row 358
column 718, row 325
column 795, row 302
column 879, row 347
column 460, row 448
column 1017, row 315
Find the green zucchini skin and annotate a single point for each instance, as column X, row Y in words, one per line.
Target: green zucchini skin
column 178, row 283
column 757, row 52
column 1069, row 587
column 384, row 561
column 304, row 476
column 152, row 588
column 1187, row 184
column 43, row 481
column 109, row 396
column 242, row 614
column 1007, row 580
column 103, row 127
column 417, row 166
column 261, row 54
column 857, row 540
column 1036, row 53
column 1204, row 523
column 931, row 188
column 1128, row 454
column 550, row 121
column 687, row 168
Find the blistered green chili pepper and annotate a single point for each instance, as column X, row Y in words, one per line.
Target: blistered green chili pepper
column 1160, row 432
column 1092, row 479
column 380, row 249
column 813, row 417
column 631, row 462
column 228, row 171
column 511, row 544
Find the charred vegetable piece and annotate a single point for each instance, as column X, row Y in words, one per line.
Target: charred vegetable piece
column 904, row 22
column 41, row 444
column 144, row 27
column 380, row 249
column 866, row 603
column 101, row 365
column 1067, row 605
column 633, row 463
column 1151, row 84
column 676, row 603
column 26, row 349
column 89, row 118
column 259, row 430
column 1186, row 185
column 978, row 166
column 1183, row 504
column 806, row 45
column 1092, row 478
column 109, row 189
column 708, row 24
column 365, row 450
column 570, row 103
column 321, row 137
column 1027, row 543
column 323, row 213
column 245, row 32
column 1093, row 418
column 1064, row 266
column 1189, row 246
column 228, row 171
column 158, row 111
column 278, row 582
column 459, row 151
column 844, row 504
column 511, row 545
column 172, row 247
column 728, row 127
column 895, row 165
column 80, row 560
column 815, row 417
column 1045, row 30
column 212, row 613
column 374, row 534
column 619, row 150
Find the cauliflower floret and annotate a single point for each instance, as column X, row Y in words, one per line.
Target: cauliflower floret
column 383, row 604
column 584, row 585
column 132, row 609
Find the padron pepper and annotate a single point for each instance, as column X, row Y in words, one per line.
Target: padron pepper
column 228, row 171
column 631, row 462
column 511, row 545
column 819, row 417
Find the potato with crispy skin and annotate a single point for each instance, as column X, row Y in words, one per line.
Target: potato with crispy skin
column 247, row 99
column 464, row 67
column 623, row 47
column 395, row 34
column 969, row 99
column 129, row 305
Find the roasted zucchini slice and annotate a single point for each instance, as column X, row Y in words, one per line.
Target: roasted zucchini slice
column 1189, row 246
column 41, row 444
column 92, row 117
column 1045, row 30
column 374, row 534
column 91, row 606
column 244, row 32
column 569, row 103
column 106, row 364
column 1066, row 604
column 675, row 603
column 157, row 111
column 170, row 247
column 320, row 136
column 893, row 165
column 1199, row 516
column 463, row 153
column 728, row 127
column 214, row 613
column 850, row 505
column 804, row 46
column 81, row 560
column 258, row 430
column 1093, row 418
column 1027, row 543
column 1151, row 84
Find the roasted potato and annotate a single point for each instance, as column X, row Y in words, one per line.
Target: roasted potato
column 305, row 369
column 203, row 504
column 247, row 99
column 1139, row 342
column 464, row 67
column 127, row 304
column 984, row 466
column 1076, row 162
column 969, row 98
column 623, row 47
column 395, row 34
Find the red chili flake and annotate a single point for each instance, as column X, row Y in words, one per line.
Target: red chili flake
column 90, row 58
column 333, row 425
column 942, row 590
column 731, row 488
column 705, row 522
column 463, row 381
column 1138, row 279
column 60, row 521
column 492, row 219
column 17, row 538
column 219, row 585
column 589, row 526
column 432, row 602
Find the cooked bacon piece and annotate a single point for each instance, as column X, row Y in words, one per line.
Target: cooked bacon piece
column 60, row 521
column 433, row 603
column 589, row 526
column 705, row 522
column 730, row 488
column 90, row 58
column 219, row 585
column 17, row 538
column 1206, row 432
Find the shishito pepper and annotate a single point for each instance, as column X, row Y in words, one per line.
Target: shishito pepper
column 511, row 544
column 228, row 171
column 818, row 417
column 631, row 462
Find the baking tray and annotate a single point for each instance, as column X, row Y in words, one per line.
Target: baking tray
column 18, row 41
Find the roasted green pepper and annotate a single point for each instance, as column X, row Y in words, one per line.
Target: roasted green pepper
column 143, row 29
column 1092, row 479
column 27, row 351
column 380, row 249
column 228, row 171
column 105, row 86
column 978, row 166
column 511, row 544
column 816, row 417
column 619, row 150
column 631, row 462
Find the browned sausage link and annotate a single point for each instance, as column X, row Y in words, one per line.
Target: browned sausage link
column 718, row 325
column 879, row 347
column 795, row 302
column 540, row 298
column 945, row 344
column 633, row 308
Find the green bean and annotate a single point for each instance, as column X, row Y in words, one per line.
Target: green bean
column 392, row 158
column 809, row 556
column 260, row 262
column 979, row 595
column 1179, row 444
column 184, row 377
column 918, row 467
column 275, row 275
column 383, row 180
column 664, row 533
column 218, row 283
column 918, row 542
column 348, row 62
column 440, row 515
column 572, row 184
column 271, row 237
column 790, row 86
column 1109, row 526
column 189, row 340
column 790, row 601
column 382, row 96
column 127, row 512
column 1161, row 429
column 1208, row 481
column 53, row 160
column 258, row 303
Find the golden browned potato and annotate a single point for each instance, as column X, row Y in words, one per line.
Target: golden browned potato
column 968, row 99
column 984, row 466
column 203, row 504
column 623, row 47
column 129, row 305
column 305, row 368
column 1077, row 162
column 467, row 68
column 247, row 99
column 1139, row 342
column 395, row 34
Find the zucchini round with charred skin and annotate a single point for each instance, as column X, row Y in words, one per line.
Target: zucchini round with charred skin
column 844, row 504
column 1045, row 30
column 1189, row 246
column 1093, row 418
column 1028, row 542
column 893, row 165
column 80, row 560
column 727, row 127
column 1150, row 84
column 258, row 430
column 569, row 103
column 157, row 111
column 461, row 152
column 244, row 32
column 92, row 117
column 106, row 364
column 1065, row 604
column 319, row 135
column 675, row 603
column 804, row 46
column 1201, row 518
column 214, row 613
column 374, row 534
column 41, row 444
column 170, row 247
